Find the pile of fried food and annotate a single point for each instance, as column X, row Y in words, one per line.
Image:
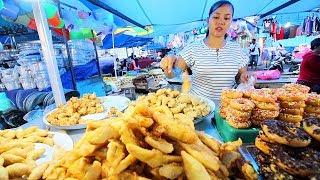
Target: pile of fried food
column 181, row 105
column 147, row 143
column 289, row 152
column 71, row 112
column 18, row 153
column 290, row 104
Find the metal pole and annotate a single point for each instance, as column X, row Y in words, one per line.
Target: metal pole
column 47, row 47
column 70, row 63
column 114, row 60
column 97, row 57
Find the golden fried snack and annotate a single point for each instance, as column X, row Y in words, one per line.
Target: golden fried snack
column 11, row 159
column 263, row 96
column 115, row 153
column 186, row 83
column 102, row 134
column 153, row 158
column 231, row 93
column 296, row 111
column 290, row 118
column 213, row 144
column 242, row 104
column 17, row 170
column 312, row 127
column 174, row 129
column 93, row 172
column 171, row 171
column 237, row 113
column 194, row 169
column 293, row 104
column 124, row 164
column 4, row 175
column 37, row 172
column 293, row 96
column 313, row 100
column 160, row 144
column 203, row 154
column 273, row 106
column 248, row 172
column 285, row 133
column 262, row 145
column 1, row 161
column 296, row 88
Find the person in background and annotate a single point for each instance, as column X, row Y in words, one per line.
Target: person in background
column 254, row 51
column 214, row 61
column 310, row 67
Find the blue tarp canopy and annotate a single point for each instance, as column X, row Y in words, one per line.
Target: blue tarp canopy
column 172, row 16
column 124, row 40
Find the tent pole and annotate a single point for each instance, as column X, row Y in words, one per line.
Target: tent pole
column 49, row 57
column 127, row 52
column 97, row 56
column 114, row 60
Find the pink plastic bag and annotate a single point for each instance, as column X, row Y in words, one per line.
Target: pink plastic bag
column 268, row 75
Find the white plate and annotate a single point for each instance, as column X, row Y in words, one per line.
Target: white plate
column 71, row 127
column 212, row 108
column 118, row 102
column 62, row 140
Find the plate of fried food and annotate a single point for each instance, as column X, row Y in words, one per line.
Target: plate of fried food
column 180, row 105
column 147, row 143
column 73, row 114
column 23, row 151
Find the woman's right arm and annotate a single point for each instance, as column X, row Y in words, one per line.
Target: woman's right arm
column 169, row 62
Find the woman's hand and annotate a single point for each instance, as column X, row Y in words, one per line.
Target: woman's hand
column 166, row 64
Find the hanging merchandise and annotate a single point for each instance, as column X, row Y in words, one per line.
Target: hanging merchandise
column 61, row 25
column 83, row 15
column 9, row 9
column 50, row 9
column 76, row 35
column 87, row 33
column 24, row 20
column 32, row 24
column 55, row 20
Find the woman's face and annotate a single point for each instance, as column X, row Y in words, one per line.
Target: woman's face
column 219, row 21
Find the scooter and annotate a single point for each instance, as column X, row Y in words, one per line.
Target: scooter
column 277, row 64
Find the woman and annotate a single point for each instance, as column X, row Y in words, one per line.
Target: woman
column 310, row 67
column 214, row 62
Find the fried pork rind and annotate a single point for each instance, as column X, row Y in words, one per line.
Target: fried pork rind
column 175, row 130
column 148, row 142
column 193, row 168
column 171, row 171
column 153, row 158
column 37, row 172
column 203, row 154
column 4, row 175
column 213, row 144
column 160, row 144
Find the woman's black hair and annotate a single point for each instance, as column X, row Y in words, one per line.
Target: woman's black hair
column 315, row 43
column 216, row 6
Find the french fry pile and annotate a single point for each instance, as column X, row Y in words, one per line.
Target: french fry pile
column 18, row 154
column 148, row 143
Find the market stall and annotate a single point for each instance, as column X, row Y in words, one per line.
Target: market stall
column 147, row 126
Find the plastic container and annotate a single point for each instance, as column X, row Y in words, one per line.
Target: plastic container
column 11, row 84
column 42, row 83
column 9, row 73
column 229, row 133
column 27, row 83
column 5, row 102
